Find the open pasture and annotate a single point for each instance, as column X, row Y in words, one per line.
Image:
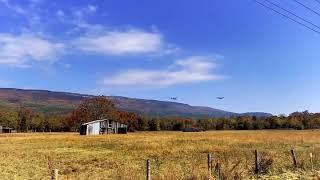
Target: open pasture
column 173, row 155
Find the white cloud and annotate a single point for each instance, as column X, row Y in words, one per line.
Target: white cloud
column 15, row 8
column 81, row 13
column 92, row 8
column 60, row 13
column 123, row 42
column 26, row 48
column 30, row 13
column 189, row 70
column 35, row 1
column 94, row 38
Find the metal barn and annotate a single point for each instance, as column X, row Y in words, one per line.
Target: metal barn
column 4, row 129
column 104, row 126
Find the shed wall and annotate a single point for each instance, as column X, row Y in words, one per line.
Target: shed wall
column 103, row 127
column 93, row 129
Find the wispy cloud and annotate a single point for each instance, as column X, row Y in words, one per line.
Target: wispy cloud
column 4, row 83
column 26, row 48
column 30, row 12
column 81, row 13
column 92, row 8
column 15, row 8
column 110, row 40
column 189, row 70
column 86, row 37
column 131, row 41
column 60, row 13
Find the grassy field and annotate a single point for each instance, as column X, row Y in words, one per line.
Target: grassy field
column 174, row 155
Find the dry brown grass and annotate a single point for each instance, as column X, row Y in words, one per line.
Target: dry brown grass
column 174, row 155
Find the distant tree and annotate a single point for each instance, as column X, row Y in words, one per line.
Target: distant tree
column 36, row 122
column 154, row 124
column 315, row 121
column 100, row 108
column 274, row 122
column 143, row 124
column 25, row 116
column 129, row 118
column 91, row 109
column 244, row 123
column 178, row 126
column 9, row 118
column 294, row 121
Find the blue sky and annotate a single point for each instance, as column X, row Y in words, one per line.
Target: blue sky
column 193, row 50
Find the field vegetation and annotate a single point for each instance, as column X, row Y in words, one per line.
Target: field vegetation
column 173, row 155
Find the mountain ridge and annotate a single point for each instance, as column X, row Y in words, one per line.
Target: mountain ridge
column 63, row 102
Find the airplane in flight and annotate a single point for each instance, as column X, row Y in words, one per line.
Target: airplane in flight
column 220, row 98
column 174, row 98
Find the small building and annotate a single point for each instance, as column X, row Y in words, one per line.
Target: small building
column 5, row 129
column 104, row 126
column 193, row 129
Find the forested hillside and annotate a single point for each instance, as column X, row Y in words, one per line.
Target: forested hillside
column 60, row 103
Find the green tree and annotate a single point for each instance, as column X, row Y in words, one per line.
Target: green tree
column 25, row 116
column 154, row 124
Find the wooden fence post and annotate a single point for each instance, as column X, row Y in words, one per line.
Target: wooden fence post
column 210, row 165
column 55, row 175
column 311, row 161
column 293, row 154
column 256, row 154
column 148, row 170
column 209, row 162
column 218, row 170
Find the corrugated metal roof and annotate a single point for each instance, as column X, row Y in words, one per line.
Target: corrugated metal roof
column 91, row 122
column 5, row 127
column 101, row 120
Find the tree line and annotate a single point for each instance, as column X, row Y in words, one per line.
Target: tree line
column 25, row 120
